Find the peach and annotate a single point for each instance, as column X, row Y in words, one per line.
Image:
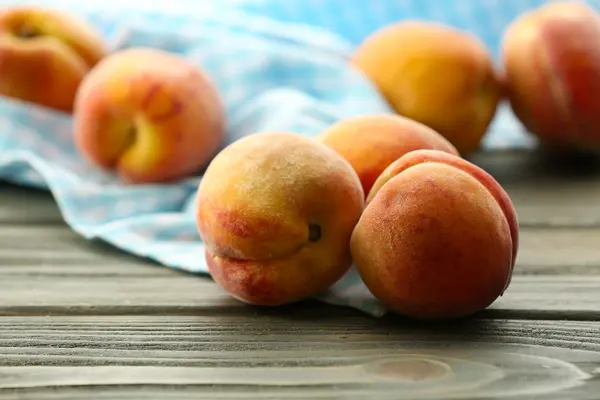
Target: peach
column 438, row 238
column 149, row 115
column 551, row 57
column 275, row 211
column 437, row 75
column 372, row 142
column 44, row 55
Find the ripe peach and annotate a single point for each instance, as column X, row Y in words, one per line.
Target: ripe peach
column 44, row 54
column 438, row 237
column 551, row 57
column 149, row 115
column 372, row 142
column 434, row 74
column 276, row 211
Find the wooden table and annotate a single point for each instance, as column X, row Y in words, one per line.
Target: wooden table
column 81, row 320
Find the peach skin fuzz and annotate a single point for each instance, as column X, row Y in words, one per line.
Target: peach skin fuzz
column 551, row 58
column 148, row 115
column 438, row 237
column 44, row 55
column 435, row 74
column 276, row 211
column 372, row 142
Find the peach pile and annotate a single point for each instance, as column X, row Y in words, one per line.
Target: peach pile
column 145, row 114
column 276, row 211
column 372, row 142
column 149, row 115
column 446, row 79
column 434, row 74
column 438, row 237
column 44, row 55
column 282, row 216
column 552, row 61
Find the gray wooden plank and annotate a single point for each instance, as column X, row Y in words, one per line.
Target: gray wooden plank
column 554, row 204
column 57, row 250
column 36, row 279
column 558, row 251
column 525, row 165
column 557, row 297
column 25, row 205
column 39, row 250
column 275, row 356
column 220, row 340
column 548, row 191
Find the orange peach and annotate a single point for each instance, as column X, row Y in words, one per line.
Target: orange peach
column 372, row 142
column 438, row 237
column 437, row 75
column 276, row 211
column 148, row 115
column 551, row 57
column 44, row 55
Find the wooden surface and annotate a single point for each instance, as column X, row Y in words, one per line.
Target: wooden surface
column 83, row 320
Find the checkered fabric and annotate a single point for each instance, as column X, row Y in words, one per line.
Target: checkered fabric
column 278, row 64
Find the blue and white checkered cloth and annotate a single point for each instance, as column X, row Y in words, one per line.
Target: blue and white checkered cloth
column 278, row 64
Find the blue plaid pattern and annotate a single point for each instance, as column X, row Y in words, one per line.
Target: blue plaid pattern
column 279, row 65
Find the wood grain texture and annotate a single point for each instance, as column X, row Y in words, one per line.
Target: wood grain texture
column 50, row 269
column 79, row 319
column 263, row 356
column 22, row 205
column 57, row 250
column 547, row 190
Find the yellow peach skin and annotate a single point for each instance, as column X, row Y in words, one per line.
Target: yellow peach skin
column 438, row 238
column 372, row 142
column 149, row 115
column 551, row 57
column 276, row 211
column 44, row 54
column 437, row 75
